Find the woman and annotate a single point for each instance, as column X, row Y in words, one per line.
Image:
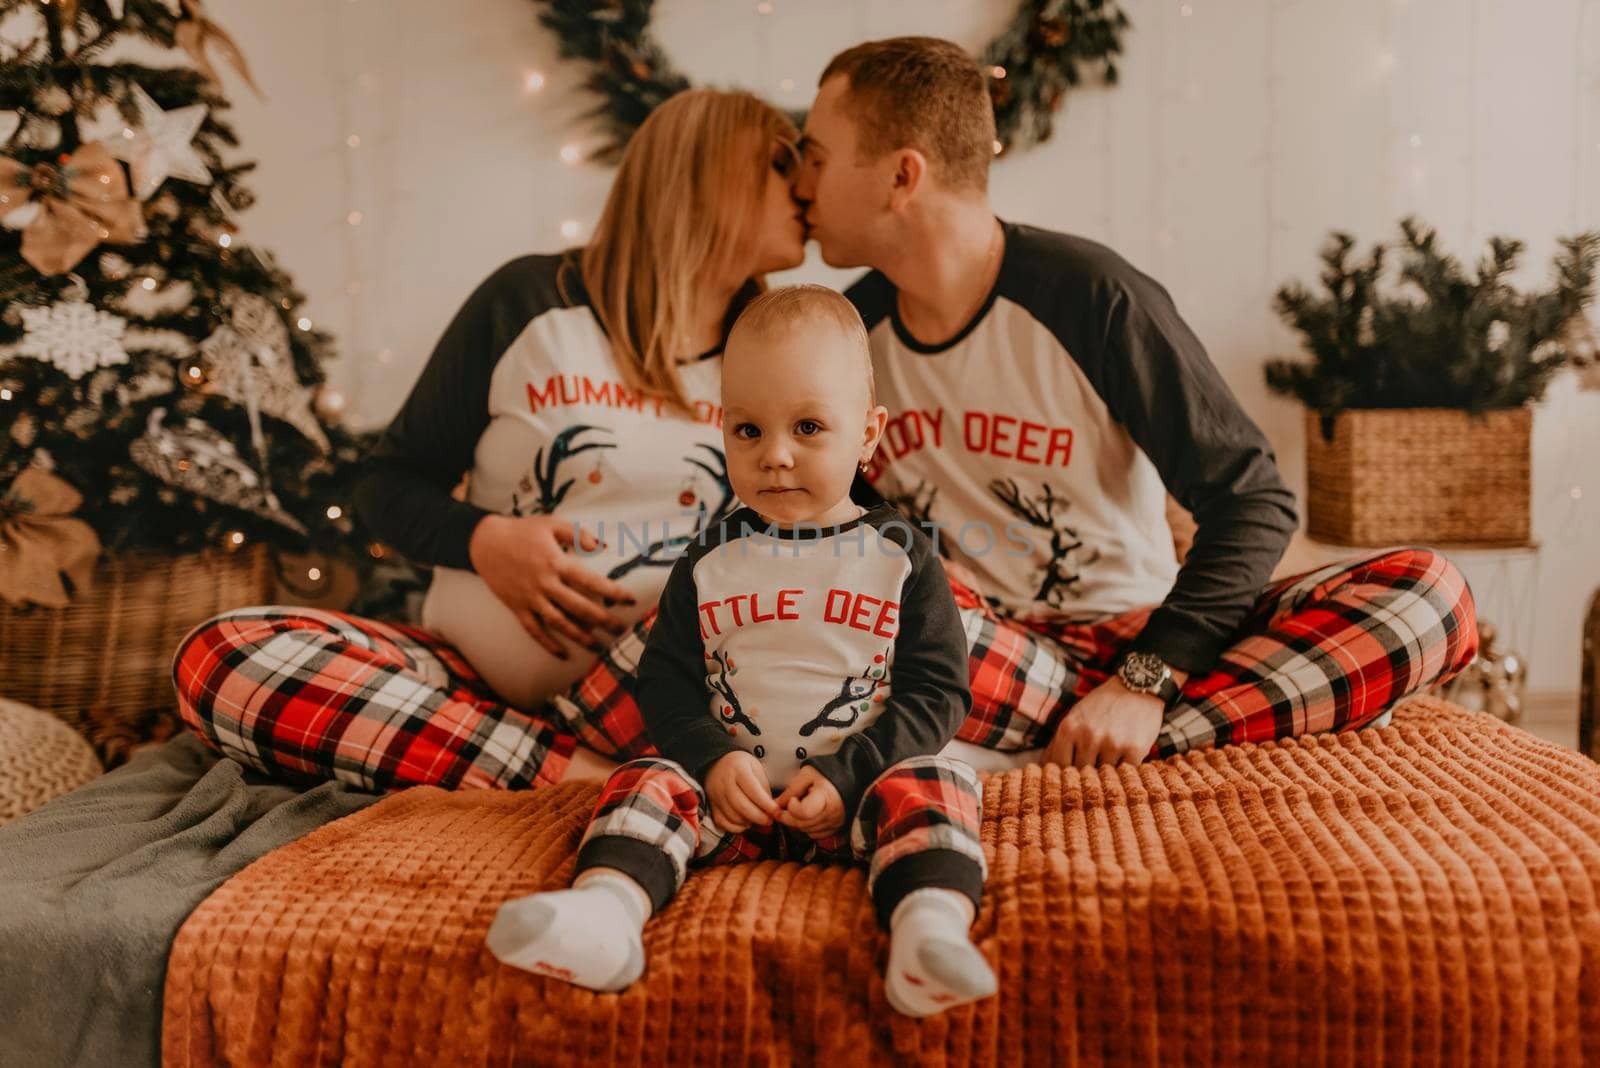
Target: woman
column 578, row 395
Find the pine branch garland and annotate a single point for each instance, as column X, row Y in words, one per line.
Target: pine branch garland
column 1444, row 339
column 1044, row 51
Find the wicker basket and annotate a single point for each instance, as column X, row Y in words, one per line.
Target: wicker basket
column 1431, row 475
column 110, row 651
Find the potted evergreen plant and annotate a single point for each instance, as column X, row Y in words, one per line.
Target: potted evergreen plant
column 1418, row 400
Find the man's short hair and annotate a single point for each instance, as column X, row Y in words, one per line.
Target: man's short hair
column 923, row 93
column 788, row 306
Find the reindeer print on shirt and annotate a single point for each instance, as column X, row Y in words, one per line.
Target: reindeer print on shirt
column 663, row 551
column 1046, row 511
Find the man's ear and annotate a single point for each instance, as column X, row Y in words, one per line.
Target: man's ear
column 910, row 172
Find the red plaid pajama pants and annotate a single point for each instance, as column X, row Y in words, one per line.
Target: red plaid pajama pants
column 311, row 695
column 916, row 827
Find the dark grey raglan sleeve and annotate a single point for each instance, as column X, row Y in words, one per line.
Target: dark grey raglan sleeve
column 1155, row 376
column 929, row 695
column 671, row 689
column 404, row 496
column 1214, row 460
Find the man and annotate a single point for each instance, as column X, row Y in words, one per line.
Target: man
column 1046, row 395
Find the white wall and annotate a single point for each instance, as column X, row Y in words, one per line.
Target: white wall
column 1241, row 133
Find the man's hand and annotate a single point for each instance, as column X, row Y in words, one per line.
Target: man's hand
column 1112, row 725
column 740, row 793
column 811, row 804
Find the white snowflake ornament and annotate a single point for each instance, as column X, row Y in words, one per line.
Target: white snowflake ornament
column 73, row 335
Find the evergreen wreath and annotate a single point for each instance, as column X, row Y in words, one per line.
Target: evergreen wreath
column 1031, row 64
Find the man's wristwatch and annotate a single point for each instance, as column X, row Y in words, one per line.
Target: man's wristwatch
column 1148, row 673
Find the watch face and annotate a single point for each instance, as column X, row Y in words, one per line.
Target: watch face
column 1143, row 671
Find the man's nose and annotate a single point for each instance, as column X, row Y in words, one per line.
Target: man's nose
column 800, row 189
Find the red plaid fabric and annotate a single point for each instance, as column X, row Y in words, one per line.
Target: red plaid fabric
column 917, row 826
column 311, row 695
column 1327, row 650
column 307, row 695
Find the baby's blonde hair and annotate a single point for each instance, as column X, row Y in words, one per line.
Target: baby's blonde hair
column 789, row 306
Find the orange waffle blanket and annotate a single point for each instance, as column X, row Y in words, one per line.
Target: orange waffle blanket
column 1422, row 894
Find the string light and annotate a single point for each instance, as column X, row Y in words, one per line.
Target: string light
column 569, row 229
column 353, row 141
column 1186, row 10
column 998, row 146
column 998, row 72
column 1416, row 140
column 235, row 539
column 225, row 240
column 532, row 82
column 5, row 394
column 786, row 85
column 149, row 284
column 304, row 324
column 571, row 153
column 334, row 511
column 354, row 218
column 764, row 8
column 314, row 574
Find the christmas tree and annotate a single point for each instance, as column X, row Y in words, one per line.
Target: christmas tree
column 151, row 358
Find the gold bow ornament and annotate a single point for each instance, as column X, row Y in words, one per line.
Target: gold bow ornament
column 64, row 209
column 195, row 34
column 41, row 542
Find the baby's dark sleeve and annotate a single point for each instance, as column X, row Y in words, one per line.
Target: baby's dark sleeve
column 671, row 689
column 929, row 696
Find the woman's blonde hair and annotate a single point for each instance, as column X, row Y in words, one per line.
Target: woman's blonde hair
column 685, row 202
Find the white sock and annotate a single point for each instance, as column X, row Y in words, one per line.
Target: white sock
column 933, row 964
column 588, row 935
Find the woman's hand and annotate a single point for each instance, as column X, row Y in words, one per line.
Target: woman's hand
column 811, row 804
column 740, row 793
column 526, row 563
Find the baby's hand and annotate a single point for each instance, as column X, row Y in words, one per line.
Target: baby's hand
column 811, row 804
column 740, row 793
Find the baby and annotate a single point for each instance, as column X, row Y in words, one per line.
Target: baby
column 807, row 647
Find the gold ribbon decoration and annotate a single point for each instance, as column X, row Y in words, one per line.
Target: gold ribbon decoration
column 40, row 541
column 196, row 33
column 82, row 201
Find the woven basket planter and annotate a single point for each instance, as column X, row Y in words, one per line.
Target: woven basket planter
column 109, row 652
column 1430, row 475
